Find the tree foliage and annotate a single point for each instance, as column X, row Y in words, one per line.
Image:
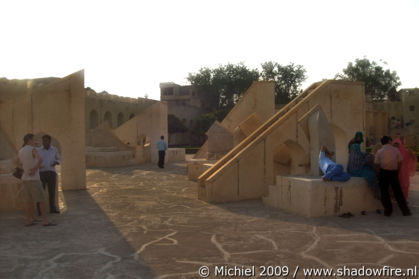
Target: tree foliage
column 175, row 125
column 203, row 123
column 288, row 80
column 224, row 85
column 379, row 83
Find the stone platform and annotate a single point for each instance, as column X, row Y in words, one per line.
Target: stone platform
column 175, row 155
column 313, row 197
column 146, row 222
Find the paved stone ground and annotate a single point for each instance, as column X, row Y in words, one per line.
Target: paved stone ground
column 144, row 222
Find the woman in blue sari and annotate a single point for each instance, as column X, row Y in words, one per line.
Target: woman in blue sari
column 357, row 164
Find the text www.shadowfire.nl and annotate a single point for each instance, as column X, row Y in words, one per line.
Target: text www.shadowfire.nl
column 285, row 271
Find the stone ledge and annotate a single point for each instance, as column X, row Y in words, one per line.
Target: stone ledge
column 313, row 197
column 110, row 159
column 175, row 155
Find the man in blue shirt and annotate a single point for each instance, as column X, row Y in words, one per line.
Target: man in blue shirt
column 331, row 170
column 161, row 147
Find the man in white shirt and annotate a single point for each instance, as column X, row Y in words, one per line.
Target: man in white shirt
column 389, row 159
column 50, row 158
column 30, row 161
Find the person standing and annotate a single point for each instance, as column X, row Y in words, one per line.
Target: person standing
column 389, row 159
column 161, row 147
column 29, row 159
column 50, row 158
column 408, row 166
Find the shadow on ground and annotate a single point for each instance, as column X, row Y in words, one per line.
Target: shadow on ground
column 84, row 244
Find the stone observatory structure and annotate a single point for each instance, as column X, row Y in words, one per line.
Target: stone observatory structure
column 97, row 130
column 123, row 131
column 255, row 107
column 52, row 106
column 279, row 160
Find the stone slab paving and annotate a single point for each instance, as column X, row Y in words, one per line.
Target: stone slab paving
column 146, row 222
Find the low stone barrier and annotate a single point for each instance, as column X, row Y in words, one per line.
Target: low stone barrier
column 313, row 197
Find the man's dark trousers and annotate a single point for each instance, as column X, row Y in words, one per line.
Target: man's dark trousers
column 162, row 154
column 49, row 178
column 391, row 177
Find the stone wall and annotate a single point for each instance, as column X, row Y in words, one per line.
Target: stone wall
column 145, row 129
column 113, row 110
column 56, row 107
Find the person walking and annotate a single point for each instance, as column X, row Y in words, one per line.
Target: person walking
column 389, row 160
column 50, row 158
column 29, row 159
column 161, row 147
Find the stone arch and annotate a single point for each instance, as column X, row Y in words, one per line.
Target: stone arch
column 7, row 154
column 93, row 119
column 108, row 118
column 120, row 119
column 289, row 159
column 6, row 147
column 144, row 147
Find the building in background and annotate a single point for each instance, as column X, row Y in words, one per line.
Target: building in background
column 186, row 104
column 394, row 118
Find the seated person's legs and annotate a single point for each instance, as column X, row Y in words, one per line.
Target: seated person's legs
column 336, row 173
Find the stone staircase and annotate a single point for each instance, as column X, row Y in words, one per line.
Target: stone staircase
column 105, row 150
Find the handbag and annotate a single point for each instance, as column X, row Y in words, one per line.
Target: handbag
column 18, row 172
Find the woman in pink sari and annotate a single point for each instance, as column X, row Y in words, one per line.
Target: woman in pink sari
column 408, row 167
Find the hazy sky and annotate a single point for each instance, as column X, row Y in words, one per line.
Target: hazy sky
column 128, row 47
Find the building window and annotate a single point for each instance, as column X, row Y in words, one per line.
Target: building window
column 168, row 92
column 412, row 108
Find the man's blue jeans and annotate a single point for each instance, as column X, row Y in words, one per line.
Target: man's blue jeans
column 336, row 173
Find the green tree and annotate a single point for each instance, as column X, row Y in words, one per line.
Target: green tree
column 379, row 83
column 174, row 124
column 288, row 80
column 203, row 123
column 223, row 86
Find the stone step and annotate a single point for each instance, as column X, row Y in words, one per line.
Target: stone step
column 102, row 149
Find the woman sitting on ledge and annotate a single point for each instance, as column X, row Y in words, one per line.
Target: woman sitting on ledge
column 358, row 164
column 331, row 170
